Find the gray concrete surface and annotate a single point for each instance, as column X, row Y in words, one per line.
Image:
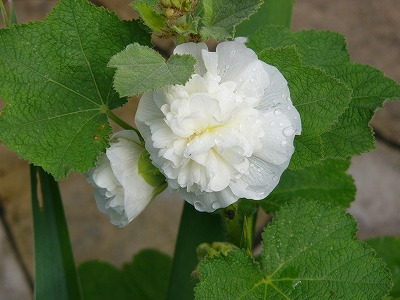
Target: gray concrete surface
column 371, row 28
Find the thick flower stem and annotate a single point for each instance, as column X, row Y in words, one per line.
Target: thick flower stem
column 195, row 228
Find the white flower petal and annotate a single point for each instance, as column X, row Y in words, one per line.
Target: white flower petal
column 233, row 59
column 209, row 202
column 263, row 177
column 195, row 50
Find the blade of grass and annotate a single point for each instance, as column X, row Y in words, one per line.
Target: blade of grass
column 195, row 228
column 56, row 276
column 13, row 14
column 272, row 12
column 4, row 14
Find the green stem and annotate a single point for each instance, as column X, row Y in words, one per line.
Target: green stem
column 195, row 228
column 248, row 232
column 6, row 20
column 123, row 124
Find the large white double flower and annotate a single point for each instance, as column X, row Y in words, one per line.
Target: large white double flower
column 227, row 133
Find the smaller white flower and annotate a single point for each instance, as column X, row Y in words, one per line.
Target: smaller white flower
column 121, row 190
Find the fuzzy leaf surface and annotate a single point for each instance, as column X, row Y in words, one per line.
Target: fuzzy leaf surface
column 146, row 277
column 221, row 16
column 309, row 253
column 350, row 135
column 141, row 69
column 54, row 79
column 327, row 180
column 319, row 98
column 387, row 248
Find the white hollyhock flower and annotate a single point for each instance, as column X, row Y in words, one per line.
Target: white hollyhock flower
column 227, row 133
column 121, row 191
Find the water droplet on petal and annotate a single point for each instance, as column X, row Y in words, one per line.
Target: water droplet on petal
column 281, row 124
column 227, row 67
column 211, row 174
column 251, row 165
column 284, row 143
column 215, row 205
column 272, row 123
column 277, row 112
column 237, row 175
column 289, row 108
column 275, row 178
column 251, row 79
column 199, row 206
column 254, row 69
column 233, row 52
column 283, row 95
column 288, row 131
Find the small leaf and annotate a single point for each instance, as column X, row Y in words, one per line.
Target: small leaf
column 221, row 16
column 327, row 180
column 146, row 277
column 141, row 69
column 387, row 248
column 309, row 253
column 58, row 90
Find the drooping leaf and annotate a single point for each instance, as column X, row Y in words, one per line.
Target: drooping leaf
column 141, row 69
column 145, row 278
column 56, row 276
column 319, row 98
column 220, row 17
column 309, row 252
column 388, row 248
column 54, row 78
column 327, row 180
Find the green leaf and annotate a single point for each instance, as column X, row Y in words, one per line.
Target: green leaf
column 387, row 248
column 272, row 12
column 58, row 90
column 351, row 134
column 319, row 98
column 195, row 228
column 55, row 274
column 309, row 253
column 220, row 17
column 141, row 69
column 327, row 180
column 145, row 278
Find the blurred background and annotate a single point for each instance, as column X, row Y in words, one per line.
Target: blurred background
column 372, row 29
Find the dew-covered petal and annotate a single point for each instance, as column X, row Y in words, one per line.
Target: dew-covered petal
column 233, row 59
column 262, row 178
column 194, row 49
column 209, row 202
column 277, row 95
column 277, row 141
